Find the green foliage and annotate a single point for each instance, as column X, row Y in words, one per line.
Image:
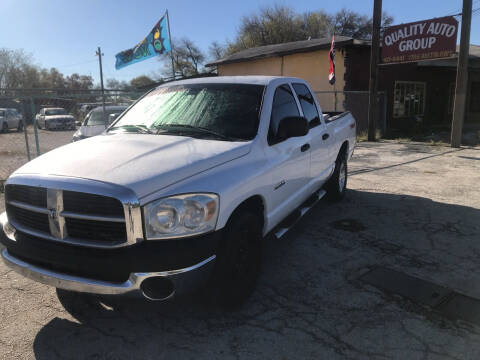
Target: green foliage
column 278, row 24
column 17, row 70
column 141, row 81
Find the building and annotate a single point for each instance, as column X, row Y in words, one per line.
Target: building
column 414, row 95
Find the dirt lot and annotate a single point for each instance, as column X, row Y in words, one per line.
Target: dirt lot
column 411, row 207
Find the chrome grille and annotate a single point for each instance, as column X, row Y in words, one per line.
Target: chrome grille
column 69, row 216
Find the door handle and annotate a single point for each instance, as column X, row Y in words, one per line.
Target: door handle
column 305, row 147
column 325, row 136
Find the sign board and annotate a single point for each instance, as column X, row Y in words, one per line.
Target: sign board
column 421, row 40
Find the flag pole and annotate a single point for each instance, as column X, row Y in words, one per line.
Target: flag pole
column 171, row 46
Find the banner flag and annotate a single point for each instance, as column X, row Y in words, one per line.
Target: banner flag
column 156, row 43
column 331, row 55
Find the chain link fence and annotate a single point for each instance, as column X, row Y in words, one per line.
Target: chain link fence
column 24, row 134
column 357, row 103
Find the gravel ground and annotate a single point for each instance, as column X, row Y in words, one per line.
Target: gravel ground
column 13, row 151
column 411, row 207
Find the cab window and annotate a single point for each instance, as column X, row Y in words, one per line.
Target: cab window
column 283, row 105
column 307, row 103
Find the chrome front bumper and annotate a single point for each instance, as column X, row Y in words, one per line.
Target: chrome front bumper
column 184, row 280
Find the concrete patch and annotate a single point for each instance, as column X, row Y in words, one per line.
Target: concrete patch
column 417, row 290
column 442, row 300
column 461, row 307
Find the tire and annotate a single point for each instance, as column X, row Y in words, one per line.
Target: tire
column 239, row 260
column 337, row 185
column 20, row 126
column 4, row 127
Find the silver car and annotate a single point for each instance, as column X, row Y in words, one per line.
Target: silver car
column 55, row 118
column 10, row 119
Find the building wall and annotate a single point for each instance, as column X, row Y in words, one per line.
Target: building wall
column 311, row 66
column 268, row 66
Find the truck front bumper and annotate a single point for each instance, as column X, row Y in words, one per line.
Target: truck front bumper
column 181, row 280
column 156, row 269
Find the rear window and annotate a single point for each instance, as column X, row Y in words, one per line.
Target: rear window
column 97, row 118
column 55, row 112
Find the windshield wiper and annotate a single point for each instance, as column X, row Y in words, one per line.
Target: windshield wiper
column 139, row 128
column 195, row 128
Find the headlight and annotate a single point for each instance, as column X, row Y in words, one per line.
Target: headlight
column 181, row 215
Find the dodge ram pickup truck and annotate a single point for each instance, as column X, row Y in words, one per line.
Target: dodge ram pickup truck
column 179, row 192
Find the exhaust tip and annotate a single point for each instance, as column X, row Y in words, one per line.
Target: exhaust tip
column 157, row 288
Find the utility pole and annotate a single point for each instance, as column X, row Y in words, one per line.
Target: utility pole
column 374, row 57
column 462, row 76
column 99, row 54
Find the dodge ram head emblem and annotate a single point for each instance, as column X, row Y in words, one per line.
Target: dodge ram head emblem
column 52, row 214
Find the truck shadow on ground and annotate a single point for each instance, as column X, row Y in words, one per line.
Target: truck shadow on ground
column 308, row 302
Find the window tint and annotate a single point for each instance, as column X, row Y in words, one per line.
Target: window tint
column 308, row 104
column 283, row 105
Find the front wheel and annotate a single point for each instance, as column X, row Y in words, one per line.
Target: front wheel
column 238, row 260
column 337, row 185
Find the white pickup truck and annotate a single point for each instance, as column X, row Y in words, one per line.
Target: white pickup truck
column 179, row 191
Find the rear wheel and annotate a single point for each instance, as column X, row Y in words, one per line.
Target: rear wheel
column 239, row 259
column 4, row 127
column 337, row 185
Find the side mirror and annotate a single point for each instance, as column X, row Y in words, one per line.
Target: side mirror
column 292, row 126
column 78, row 123
column 112, row 117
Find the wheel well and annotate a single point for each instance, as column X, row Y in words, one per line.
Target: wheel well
column 253, row 204
column 344, row 149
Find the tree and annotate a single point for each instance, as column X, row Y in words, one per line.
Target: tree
column 114, row 84
column 12, row 63
column 78, row 82
column 187, row 59
column 141, row 81
column 216, row 50
column 280, row 24
column 273, row 25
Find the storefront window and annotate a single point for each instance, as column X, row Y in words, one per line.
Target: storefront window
column 409, row 99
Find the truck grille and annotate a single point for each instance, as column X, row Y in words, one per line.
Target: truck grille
column 70, row 216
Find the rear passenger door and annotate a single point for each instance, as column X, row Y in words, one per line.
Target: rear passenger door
column 288, row 159
column 320, row 139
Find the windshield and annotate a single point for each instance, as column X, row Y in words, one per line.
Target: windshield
column 96, row 117
column 227, row 111
column 55, row 112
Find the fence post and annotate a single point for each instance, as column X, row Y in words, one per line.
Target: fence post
column 35, row 131
column 26, row 134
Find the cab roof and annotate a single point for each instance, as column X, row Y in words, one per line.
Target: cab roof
column 248, row 79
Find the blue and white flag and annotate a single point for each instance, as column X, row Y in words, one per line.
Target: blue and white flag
column 156, row 43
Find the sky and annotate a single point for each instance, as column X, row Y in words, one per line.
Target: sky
column 66, row 33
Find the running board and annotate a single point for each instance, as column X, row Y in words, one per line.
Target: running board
column 301, row 211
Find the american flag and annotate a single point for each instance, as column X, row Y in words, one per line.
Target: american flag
column 331, row 55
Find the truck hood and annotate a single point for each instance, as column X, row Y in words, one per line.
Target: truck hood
column 144, row 163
